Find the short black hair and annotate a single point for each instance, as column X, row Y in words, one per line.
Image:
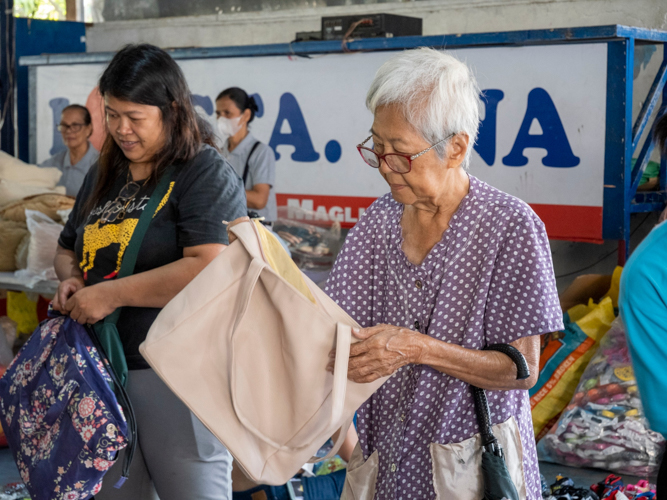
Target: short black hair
column 242, row 100
column 86, row 114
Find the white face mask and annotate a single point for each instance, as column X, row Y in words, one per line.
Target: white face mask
column 228, row 127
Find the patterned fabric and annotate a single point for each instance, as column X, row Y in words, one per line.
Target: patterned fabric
column 62, row 420
column 489, row 280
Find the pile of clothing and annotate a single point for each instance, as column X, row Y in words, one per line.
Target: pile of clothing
column 14, row 491
column 611, row 488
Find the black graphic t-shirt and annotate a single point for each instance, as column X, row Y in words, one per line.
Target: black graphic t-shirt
column 202, row 193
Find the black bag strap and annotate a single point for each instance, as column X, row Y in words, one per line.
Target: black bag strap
column 482, row 405
column 246, row 170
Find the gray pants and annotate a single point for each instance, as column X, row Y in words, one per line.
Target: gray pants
column 177, row 456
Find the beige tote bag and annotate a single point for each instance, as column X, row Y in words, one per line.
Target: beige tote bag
column 245, row 346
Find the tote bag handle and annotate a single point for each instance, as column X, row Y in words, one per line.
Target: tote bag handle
column 343, row 340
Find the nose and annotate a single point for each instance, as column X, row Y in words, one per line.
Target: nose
column 124, row 127
column 384, row 167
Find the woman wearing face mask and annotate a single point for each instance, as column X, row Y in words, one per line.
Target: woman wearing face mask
column 153, row 131
column 253, row 161
column 75, row 161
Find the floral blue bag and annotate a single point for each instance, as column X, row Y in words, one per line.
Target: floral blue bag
column 60, row 414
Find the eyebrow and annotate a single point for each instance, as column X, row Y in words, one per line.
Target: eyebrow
column 391, row 140
column 108, row 108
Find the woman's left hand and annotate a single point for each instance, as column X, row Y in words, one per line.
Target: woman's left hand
column 383, row 350
column 92, row 303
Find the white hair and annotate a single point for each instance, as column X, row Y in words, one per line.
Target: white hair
column 438, row 93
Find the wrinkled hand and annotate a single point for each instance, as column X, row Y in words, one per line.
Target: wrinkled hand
column 383, row 350
column 92, row 303
column 66, row 289
column 232, row 236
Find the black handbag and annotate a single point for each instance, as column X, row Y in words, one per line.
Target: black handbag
column 498, row 484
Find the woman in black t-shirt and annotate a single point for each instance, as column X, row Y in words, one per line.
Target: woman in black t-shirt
column 151, row 125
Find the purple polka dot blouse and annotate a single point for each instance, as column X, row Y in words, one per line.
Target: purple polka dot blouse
column 489, row 280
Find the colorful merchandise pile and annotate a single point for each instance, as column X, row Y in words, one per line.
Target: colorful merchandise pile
column 14, row 491
column 604, row 426
column 612, row 488
column 312, row 247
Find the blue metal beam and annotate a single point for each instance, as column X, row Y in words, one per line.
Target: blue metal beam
column 618, row 140
column 650, row 197
column 452, row 41
column 649, row 105
column 640, row 164
column 636, row 208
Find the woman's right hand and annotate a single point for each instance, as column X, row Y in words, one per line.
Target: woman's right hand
column 66, row 289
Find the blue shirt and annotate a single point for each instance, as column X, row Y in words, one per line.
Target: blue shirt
column 643, row 305
column 73, row 175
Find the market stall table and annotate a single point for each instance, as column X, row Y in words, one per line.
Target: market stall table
column 8, row 281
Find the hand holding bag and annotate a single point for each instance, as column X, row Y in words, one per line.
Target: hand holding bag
column 62, row 419
column 245, row 346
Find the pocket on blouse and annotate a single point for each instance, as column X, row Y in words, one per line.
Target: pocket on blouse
column 361, row 476
column 457, row 467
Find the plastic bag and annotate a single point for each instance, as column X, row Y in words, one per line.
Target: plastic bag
column 44, row 234
column 313, row 246
column 604, row 425
column 565, row 355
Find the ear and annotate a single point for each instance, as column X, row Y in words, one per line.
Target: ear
column 246, row 115
column 457, row 149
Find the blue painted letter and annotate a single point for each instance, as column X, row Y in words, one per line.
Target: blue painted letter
column 204, row 102
column 298, row 135
column 486, row 139
column 552, row 138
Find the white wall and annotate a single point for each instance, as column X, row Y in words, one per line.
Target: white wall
column 440, row 17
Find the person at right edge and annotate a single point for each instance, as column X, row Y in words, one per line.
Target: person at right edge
column 152, row 129
column 643, row 306
column 253, row 161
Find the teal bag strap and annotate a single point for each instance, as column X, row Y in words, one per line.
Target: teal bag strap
column 106, row 330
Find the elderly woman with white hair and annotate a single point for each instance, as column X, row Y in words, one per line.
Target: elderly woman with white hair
column 434, row 271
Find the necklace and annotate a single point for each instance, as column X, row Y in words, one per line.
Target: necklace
column 117, row 209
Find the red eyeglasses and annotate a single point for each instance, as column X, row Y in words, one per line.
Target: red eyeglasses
column 399, row 163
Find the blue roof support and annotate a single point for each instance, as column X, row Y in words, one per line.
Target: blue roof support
column 642, row 161
column 616, row 210
column 649, row 105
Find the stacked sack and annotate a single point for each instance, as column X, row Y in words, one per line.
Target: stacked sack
column 31, row 214
column 19, row 180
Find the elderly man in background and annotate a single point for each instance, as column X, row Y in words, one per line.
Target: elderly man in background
column 434, row 271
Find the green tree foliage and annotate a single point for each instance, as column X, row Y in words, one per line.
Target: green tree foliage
column 40, row 9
